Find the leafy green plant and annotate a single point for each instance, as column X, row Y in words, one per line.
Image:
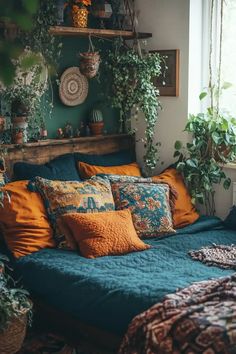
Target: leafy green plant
column 14, row 302
column 131, row 87
column 213, row 144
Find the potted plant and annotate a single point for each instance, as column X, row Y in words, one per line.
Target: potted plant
column 213, row 144
column 79, row 12
column 96, row 123
column 15, row 312
column 131, row 88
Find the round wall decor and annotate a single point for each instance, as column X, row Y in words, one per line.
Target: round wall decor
column 73, row 88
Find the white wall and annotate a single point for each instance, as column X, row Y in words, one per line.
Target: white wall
column 177, row 24
column 168, row 20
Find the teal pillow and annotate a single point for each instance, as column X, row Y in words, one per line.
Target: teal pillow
column 149, row 204
column 230, row 221
column 62, row 168
column 123, row 157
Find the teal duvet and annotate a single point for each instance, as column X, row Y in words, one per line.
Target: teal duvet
column 108, row 292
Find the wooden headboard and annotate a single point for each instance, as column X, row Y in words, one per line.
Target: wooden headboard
column 45, row 150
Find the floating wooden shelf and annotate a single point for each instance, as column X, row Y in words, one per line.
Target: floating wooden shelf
column 102, row 33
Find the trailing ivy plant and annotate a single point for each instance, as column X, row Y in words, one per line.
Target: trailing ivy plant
column 213, row 144
column 131, row 86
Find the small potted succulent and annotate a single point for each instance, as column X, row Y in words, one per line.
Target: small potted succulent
column 15, row 312
column 96, row 123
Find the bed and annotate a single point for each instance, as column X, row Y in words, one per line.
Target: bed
column 103, row 295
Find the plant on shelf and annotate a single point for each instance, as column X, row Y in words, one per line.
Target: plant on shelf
column 15, row 311
column 131, row 87
column 96, row 123
column 79, row 12
column 213, row 144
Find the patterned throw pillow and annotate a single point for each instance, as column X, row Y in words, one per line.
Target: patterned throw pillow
column 149, row 204
column 61, row 197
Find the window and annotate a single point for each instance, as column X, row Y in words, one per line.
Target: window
column 228, row 72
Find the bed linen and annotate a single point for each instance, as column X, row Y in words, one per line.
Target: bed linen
column 108, row 292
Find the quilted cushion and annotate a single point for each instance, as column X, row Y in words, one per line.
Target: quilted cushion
column 87, row 171
column 61, row 197
column 61, row 168
column 149, row 204
column 103, row 234
column 184, row 212
column 24, row 221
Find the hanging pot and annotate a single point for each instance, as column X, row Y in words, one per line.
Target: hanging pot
column 79, row 16
column 89, row 64
column 2, row 123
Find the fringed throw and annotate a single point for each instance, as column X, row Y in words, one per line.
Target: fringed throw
column 216, row 255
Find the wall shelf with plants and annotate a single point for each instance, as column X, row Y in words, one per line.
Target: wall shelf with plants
column 103, row 33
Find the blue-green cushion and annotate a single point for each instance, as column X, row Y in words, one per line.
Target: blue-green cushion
column 148, row 202
column 119, row 158
column 61, row 168
column 230, row 221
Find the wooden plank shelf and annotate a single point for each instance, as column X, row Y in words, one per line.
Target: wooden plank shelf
column 101, row 33
column 45, row 150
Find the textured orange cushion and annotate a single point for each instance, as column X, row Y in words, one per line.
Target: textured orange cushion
column 23, row 220
column 105, row 233
column 87, row 171
column 184, row 211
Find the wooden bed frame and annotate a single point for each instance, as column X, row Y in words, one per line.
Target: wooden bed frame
column 42, row 152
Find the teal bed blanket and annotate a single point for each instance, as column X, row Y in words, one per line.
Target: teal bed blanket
column 108, row 292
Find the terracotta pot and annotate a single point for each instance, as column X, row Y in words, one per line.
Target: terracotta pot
column 96, row 128
column 2, row 123
column 89, row 64
column 79, row 17
column 17, row 137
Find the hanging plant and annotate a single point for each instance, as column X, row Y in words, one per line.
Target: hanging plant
column 131, row 86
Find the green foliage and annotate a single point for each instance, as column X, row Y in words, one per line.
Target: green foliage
column 21, row 13
column 96, row 116
column 14, row 302
column 201, row 161
column 131, row 86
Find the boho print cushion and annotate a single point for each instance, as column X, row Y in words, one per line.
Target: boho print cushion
column 61, row 197
column 148, row 202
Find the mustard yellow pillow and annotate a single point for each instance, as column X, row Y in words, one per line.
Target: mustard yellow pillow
column 184, row 212
column 24, row 221
column 105, row 233
column 87, row 171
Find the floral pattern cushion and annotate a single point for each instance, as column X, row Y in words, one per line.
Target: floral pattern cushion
column 62, row 197
column 149, row 204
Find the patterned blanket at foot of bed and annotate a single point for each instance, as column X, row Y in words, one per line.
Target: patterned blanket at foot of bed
column 198, row 319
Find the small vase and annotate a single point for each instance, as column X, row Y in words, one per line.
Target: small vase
column 18, row 137
column 80, row 17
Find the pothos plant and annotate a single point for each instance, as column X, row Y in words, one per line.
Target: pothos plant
column 131, row 86
column 202, row 160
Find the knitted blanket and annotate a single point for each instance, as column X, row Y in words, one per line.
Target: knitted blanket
column 198, row 319
column 216, row 255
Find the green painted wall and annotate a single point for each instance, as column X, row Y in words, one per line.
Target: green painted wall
column 61, row 113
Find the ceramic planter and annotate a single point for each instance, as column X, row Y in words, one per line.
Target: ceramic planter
column 96, row 128
column 79, row 17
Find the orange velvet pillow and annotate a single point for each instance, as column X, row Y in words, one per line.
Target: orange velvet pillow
column 184, row 211
column 23, row 220
column 104, row 233
column 87, row 171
